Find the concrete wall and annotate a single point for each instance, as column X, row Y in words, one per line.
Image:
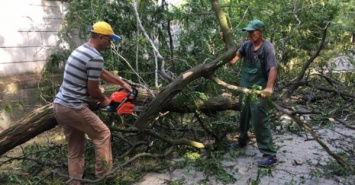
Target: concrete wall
column 28, row 35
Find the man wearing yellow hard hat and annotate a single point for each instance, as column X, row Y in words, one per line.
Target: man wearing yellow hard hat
column 82, row 74
column 104, row 28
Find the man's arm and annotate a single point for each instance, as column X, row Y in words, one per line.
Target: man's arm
column 95, row 92
column 270, row 82
column 110, row 78
column 236, row 58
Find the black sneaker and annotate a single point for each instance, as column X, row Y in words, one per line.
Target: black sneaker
column 237, row 145
column 268, row 161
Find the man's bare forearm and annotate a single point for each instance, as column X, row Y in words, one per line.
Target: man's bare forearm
column 235, row 58
column 272, row 78
column 94, row 90
column 110, row 78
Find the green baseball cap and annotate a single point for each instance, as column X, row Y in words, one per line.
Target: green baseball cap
column 254, row 25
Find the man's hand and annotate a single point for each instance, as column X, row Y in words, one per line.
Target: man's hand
column 110, row 78
column 228, row 66
column 222, row 36
column 127, row 87
column 266, row 93
column 105, row 103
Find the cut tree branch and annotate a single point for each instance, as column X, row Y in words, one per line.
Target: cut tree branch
column 308, row 63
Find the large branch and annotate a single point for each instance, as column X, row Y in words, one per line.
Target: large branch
column 308, row 63
column 179, row 83
column 227, row 32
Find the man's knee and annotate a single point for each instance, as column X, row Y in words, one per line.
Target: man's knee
column 102, row 137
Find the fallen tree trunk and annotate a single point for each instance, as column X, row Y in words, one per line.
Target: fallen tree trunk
column 42, row 119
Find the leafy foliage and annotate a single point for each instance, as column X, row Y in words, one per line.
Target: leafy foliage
column 188, row 35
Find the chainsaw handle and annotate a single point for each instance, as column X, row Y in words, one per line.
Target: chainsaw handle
column 97, row 106
column 108, row 108
column 133, row 93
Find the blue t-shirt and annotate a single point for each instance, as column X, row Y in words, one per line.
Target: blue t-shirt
column 268, row 53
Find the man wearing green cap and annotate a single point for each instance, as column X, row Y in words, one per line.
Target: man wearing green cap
column 82, row 74
column 258, row 69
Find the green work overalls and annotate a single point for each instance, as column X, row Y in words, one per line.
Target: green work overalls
column 255, row 110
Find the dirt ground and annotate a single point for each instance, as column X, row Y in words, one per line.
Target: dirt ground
column 302, row 161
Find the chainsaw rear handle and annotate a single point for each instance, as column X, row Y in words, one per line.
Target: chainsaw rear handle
column 97, row 106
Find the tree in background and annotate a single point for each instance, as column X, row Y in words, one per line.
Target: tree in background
column 174, row 39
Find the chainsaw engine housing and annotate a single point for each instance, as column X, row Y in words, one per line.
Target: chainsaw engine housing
column 122, row 102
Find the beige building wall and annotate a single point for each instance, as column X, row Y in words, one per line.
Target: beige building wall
column 28, row 33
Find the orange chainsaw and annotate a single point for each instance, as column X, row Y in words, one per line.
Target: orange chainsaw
column 121, row 102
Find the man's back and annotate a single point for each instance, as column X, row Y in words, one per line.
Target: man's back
column 85, row 63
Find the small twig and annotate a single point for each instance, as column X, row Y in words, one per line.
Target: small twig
column 308, row 139
column 151, row 42
column 132, row 148
column 304, row 112
column 129, row 65
column 39, row 182
column 328, row 79
column 116, row 169
column 295, row 14
column 331, row 90
column 346, row 124
column 200, row 121
column 181, row 141
column 346, row 117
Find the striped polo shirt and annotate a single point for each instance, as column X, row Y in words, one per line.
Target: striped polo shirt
column 84, row 63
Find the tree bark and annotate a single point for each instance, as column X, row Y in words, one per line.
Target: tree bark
column 37, row 122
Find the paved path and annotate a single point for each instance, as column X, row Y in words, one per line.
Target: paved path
column 300, row 163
